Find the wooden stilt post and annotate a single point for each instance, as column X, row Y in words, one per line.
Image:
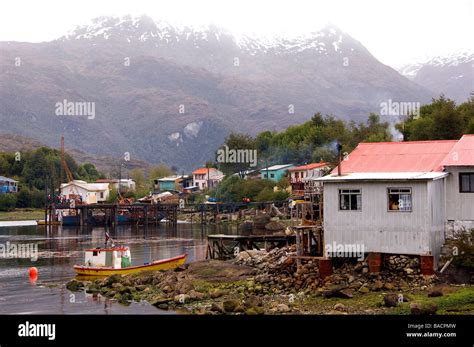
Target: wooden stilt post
column 81, row 216
column 145, row 217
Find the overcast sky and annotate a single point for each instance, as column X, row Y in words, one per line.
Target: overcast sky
column 396, row 32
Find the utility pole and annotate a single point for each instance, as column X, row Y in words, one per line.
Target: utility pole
column 266, row 164
column 61, row 166
column 120, row 176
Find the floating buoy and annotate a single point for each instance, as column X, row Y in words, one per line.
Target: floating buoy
column 33, row 272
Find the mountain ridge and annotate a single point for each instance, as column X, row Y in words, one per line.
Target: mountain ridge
column 451, row 75
column 162, row 92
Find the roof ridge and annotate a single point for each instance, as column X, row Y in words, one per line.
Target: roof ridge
column 408, row 142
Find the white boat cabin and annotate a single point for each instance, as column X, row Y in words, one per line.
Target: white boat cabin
column 116, row 257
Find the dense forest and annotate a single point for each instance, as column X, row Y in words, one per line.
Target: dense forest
column 38, row 171
column 316, row 139
column 440, row 120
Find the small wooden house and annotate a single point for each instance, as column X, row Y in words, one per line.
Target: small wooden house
column 175, row 182
column 207, row 177
column 275, row 172
column 89, row 193
column 8, row 185
column 300, row 175
column 401, row 197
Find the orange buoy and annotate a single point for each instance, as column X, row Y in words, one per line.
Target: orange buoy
column 33, row 272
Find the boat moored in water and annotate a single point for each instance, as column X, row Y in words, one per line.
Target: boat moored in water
column 117, row 260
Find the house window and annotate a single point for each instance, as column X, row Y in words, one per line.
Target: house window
column 399, row 199
column 272, row 175
column 265, row 176
column 350, row 200
column 101, row 195
column 466, row 182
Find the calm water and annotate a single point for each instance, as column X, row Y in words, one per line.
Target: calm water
column 61, row 248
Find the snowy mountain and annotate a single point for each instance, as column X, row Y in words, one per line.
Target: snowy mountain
column 451, row 75
column 171, row 94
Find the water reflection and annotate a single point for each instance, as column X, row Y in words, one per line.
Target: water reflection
column 62, row 247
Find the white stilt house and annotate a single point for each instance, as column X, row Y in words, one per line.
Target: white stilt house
column 401, row 197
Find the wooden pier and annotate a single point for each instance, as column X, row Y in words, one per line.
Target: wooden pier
column 224, row 247
column 112, row 214
column 213, row 209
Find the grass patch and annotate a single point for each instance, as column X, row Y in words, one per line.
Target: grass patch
column 358, row 304
column 22, row 214
column 459, row 302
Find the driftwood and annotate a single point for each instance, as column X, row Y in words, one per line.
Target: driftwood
column 446, row 265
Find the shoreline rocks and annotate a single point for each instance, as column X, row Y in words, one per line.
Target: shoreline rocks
column 264, row 282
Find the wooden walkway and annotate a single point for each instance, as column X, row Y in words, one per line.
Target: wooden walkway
column 110, row 214
column 213, row 209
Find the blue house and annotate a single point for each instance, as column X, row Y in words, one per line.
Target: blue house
column 177, row 183
column 275, row 172
column 8, row 185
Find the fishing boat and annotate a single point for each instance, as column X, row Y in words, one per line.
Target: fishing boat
column 71, row 220
column 117, row 260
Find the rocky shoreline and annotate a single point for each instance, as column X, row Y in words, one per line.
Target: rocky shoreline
column 261, row 282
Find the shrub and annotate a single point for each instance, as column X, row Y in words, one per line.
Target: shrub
column 23, row 198
column 464, row 242
column 37, row 198
column 7, row 202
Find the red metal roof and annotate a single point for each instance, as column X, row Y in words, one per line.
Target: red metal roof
column 308, row 166
column 409, row 156
column 462, row 153
column 203, row 170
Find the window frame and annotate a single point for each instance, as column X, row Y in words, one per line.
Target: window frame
column 399, row 188
column 471, row 189
column 340, row 193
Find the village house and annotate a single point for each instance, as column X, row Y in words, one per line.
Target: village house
column 248, row 174
column 89, row 193
column 175, row 182
column 275, row 172
column 401, row 197
column 8, row 185
column 301, row 176
column 125, row 184
column 207, row 177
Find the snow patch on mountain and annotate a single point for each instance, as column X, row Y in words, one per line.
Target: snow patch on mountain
column 411, row 70
column 191, row 130
column 143, row 29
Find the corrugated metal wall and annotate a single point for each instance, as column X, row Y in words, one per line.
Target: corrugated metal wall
column 459, row 206
column 378, row 229
column 437, row 201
